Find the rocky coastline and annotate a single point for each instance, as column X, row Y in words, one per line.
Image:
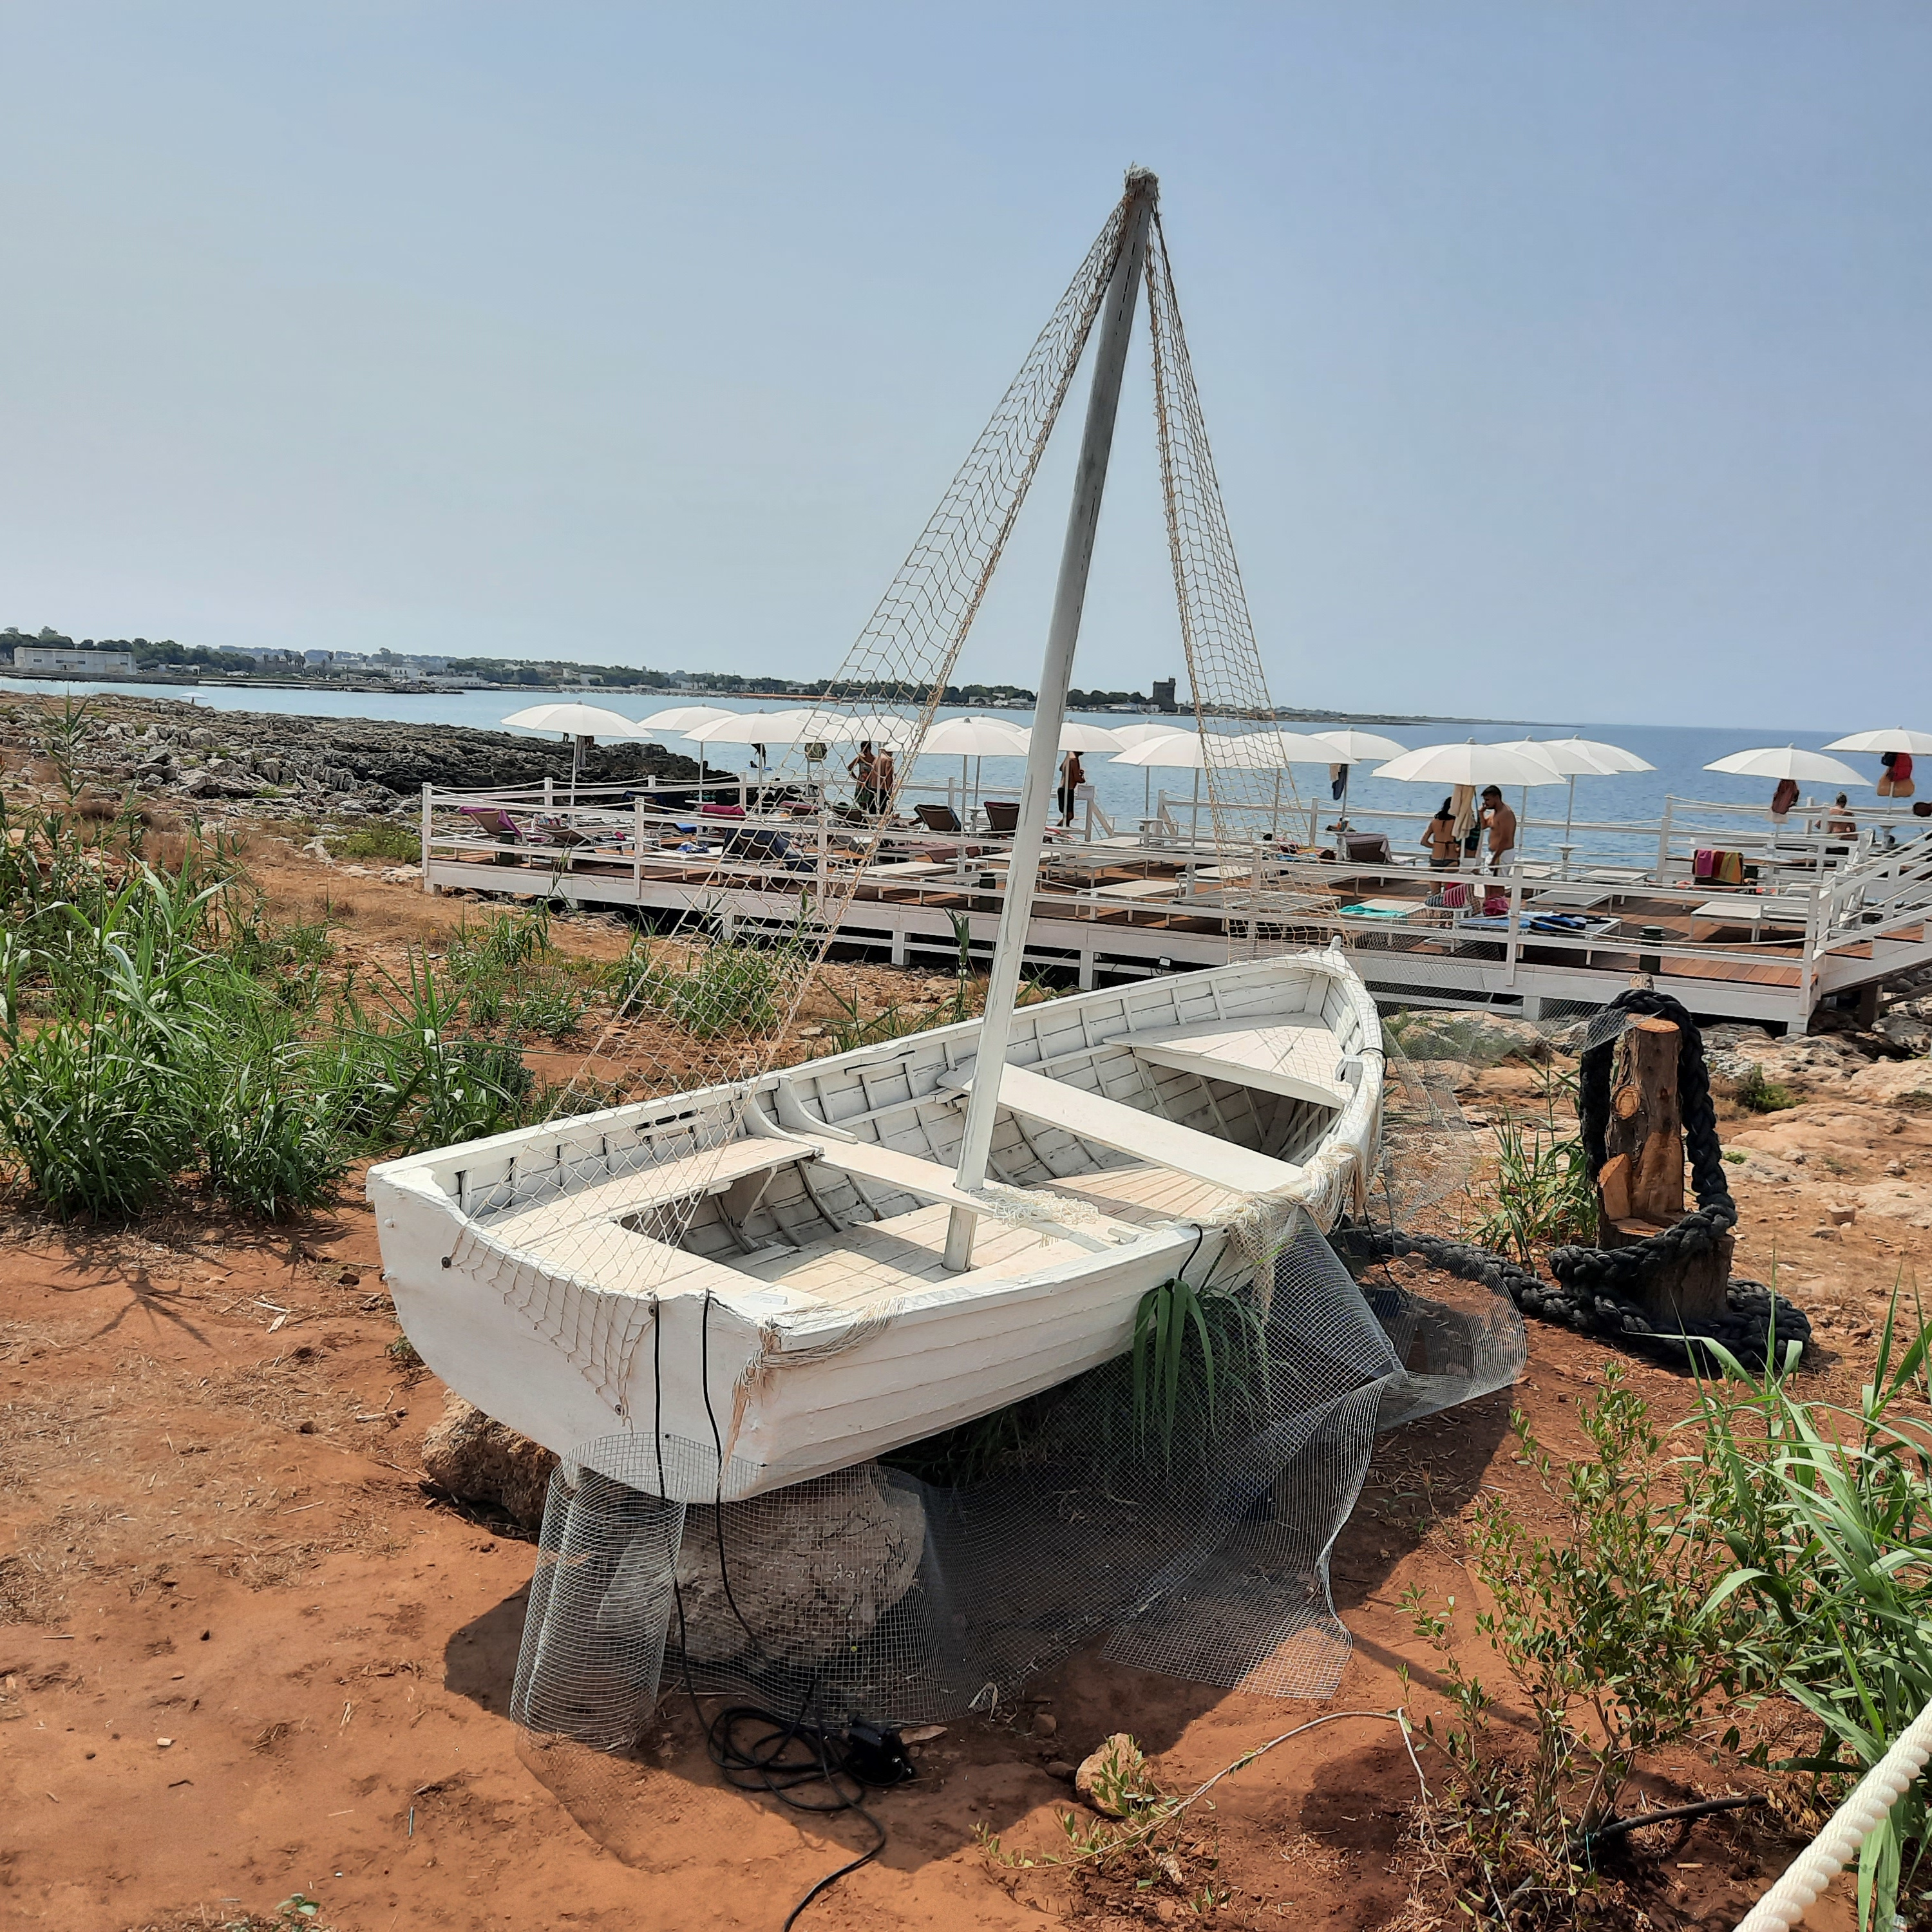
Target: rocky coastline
column 165, row 749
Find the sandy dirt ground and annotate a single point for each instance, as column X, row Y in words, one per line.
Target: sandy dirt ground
column 243, row 1654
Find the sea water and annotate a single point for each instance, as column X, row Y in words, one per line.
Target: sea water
column 1678, row 752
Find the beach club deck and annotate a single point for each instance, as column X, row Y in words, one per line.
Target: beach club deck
column 1737, row 916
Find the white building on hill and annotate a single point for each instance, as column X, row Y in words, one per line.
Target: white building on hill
column 70, row 657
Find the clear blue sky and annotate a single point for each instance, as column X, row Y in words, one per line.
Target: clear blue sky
column 1561, row 361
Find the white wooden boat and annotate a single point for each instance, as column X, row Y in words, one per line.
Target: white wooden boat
column 758, row 1279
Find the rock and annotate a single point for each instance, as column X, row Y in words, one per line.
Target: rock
column 1842, row 1215
column 1907, row 1029
column 201, row 738
column 473, row 1457
column 1058, row 1767
column 1111, row 1778
column 812, row 1570
column 1898, row 1200
column 1044, row 1724
column 1824, row 1234
column 1811, row 1060
column 1482, row 1039
column 1898, row 1081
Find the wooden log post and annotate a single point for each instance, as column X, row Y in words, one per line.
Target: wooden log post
column 1640, row 1186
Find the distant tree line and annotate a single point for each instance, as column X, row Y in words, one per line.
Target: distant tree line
column 150, row 653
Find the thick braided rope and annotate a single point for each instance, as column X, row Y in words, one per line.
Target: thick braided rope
column 1595, row 1289
column 1623, row 1271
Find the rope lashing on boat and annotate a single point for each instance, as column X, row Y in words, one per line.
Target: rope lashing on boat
column 1594, row 1287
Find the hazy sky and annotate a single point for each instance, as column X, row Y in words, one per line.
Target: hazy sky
column 1561, row 361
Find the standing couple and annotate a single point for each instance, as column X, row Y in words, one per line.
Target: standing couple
column 1456, row 828
column 875, row 778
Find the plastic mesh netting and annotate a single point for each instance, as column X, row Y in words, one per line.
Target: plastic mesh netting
column 943, row 1577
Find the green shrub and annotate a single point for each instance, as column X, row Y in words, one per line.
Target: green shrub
column 1544, row 1193
column 269, row 1141
column 1829, row 1513
column 94, row 1117
column 378, row 840
column 554, row 1010
column 1757, row 1095
column 726, row 990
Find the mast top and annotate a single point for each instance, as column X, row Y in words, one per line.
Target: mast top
column 1143, row 182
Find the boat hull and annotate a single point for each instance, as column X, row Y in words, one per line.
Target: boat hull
column 753, row 1360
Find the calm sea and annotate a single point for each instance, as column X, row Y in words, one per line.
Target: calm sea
column 1678, row 753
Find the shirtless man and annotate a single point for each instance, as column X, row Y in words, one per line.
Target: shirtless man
column 1502, row 822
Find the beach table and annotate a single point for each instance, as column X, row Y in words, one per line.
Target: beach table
column 1753, row 909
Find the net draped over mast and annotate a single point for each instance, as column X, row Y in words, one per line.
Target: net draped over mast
column 921, row 1580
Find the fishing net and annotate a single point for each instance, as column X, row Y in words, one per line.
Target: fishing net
column 1193, row 1528
column 1182, row 1496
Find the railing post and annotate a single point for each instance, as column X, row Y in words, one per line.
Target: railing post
column 1514, row 936
column 549, row 791
column 637, row 848
column 1663, row 839
column 428, row 886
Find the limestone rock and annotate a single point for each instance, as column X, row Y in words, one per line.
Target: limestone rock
column 1481, row 1039
column 812, row 1568
column 1111, row 1777
column 472, row 1456
column 1905, row 1026
column 1898, row 1200
column 1898, row 1081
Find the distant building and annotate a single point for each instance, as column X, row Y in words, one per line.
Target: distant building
column 318, row 659
column 1162, row 688
column 70, row 657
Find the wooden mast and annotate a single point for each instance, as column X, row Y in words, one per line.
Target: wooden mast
column 1116, row 318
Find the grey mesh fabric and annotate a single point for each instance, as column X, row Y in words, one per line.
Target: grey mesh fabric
column 882, row 1592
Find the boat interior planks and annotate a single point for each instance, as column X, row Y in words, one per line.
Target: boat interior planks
column 757, row 1275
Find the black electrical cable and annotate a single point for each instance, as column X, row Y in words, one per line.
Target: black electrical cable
column 770, row 1762
column 787, row 1757
column 1616, row 1827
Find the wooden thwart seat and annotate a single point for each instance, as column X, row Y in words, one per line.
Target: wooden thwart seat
column 709, row 1172
column 1146, row 1136
column 926, row 1180
column 1296, row 1059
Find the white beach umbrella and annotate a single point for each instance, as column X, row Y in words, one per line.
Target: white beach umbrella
column 1469, row 764
column 1609, row 757
column 579, row 723
column 741, row 727
column 975, row 738
column 1573, row 758
column 1894, row 738
column 574, row 721
column 1129, row 736
column 680, row 718
column 1183, row 751
column 968, row 738
column 1786, row 761
column 1351, row 747
column 1075, row 737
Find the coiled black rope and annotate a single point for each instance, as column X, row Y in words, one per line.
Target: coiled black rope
column 1595, row 1289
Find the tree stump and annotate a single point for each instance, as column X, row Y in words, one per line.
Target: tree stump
column 1640, row 1186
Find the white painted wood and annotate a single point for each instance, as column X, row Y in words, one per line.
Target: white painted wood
column 929, row 1181
column 841, row 1335
column 1091, row 1117
column 1296, row 1058
column 1063, row 634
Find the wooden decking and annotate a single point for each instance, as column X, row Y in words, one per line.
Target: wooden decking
column 1116, row 908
